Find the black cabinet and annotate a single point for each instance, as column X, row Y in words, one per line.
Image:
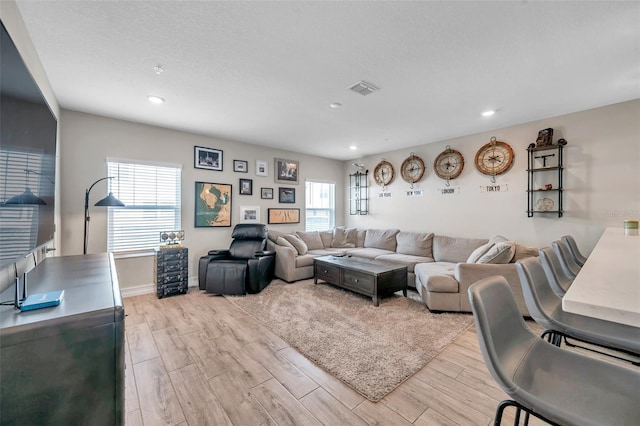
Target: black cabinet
column 545, row 180
column 172, row 270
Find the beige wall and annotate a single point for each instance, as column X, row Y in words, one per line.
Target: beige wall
column 602, row 182
column 88, row 140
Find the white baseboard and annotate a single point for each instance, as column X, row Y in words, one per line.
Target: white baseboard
column 148, row 289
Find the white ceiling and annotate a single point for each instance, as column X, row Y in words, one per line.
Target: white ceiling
column 265, row 72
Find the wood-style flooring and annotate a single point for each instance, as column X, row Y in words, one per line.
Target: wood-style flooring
column 197, row 359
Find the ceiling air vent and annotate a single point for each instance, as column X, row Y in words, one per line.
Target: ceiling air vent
column 363, row 88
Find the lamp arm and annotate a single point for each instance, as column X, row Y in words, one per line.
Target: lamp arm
column 86, row 210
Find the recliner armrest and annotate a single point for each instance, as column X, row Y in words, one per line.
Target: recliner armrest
column 265, row 253
column 218, row 252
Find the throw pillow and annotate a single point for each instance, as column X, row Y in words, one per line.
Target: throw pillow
column 339, row 237
column 523, row 252
column 479, row 252
column 311, row 239
column 500, row 253
column 282, row 242
column 299, row 245
column 326, row 237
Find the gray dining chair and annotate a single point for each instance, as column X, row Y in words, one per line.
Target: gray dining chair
column 545, row 308
column 568, row 264
column 575, row 252
column 558, row 280
column 558, row 386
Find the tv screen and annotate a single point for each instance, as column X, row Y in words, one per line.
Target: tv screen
column 27, row 158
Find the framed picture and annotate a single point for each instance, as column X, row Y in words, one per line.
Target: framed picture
column 286, row 171
column 266, row 193
column 246, row 187
column 262, row 168
column 249, row 214
column 212, row 205
column 545, row 137
column 207, row 158
column 283, row 216
column 240, row 166
column 286, row 195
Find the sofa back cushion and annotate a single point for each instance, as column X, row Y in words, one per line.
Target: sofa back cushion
column 415, row 243
column 384, row 239
column 451, row 249
column 522, row 252
column 311, row 239
column 341, row 238
column 296, row 242
column 326, row 237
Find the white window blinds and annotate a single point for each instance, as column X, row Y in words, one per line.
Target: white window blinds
column 320, row 206
column 151, row 194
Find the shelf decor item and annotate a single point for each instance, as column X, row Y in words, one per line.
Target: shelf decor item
column 207, row 158
column 494, row 158
column 412, row 169
column 545, row 178
column 448, row 164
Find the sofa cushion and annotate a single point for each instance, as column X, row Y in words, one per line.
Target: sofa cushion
column 311, row 239
column 296, row 242
column 340, row 238
column 326, row 237
column 368, row 253
column 437, row 277
column 273, row 235
column 501, row 252
column 414, row 243
column 384, row 239
column 281, row 241
column 479, row 252
column 450, row 249
column 361, row 234
column 522, row 252
column 408, row 260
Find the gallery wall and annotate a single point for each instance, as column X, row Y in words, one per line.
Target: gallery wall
column 602, row 183
column 88, row 140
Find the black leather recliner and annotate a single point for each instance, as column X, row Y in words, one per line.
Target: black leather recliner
column 246, row 267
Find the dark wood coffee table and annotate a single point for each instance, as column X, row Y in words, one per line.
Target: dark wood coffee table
column 365, row 276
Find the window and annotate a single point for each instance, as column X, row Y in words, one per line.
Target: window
column 320, row 206
column 151, row 194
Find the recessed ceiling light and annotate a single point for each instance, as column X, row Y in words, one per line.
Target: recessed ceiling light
column 353, row 147
column 488, row 113
column 155, row 99
column 335, row 105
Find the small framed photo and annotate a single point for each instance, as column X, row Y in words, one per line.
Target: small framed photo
column 286, row 171
column 246, row 187
column 207, row 158
column 286, row 195
column 249, row 214
column 283, row 216
column 266, row 193
column 262, row 168
column 240, row 166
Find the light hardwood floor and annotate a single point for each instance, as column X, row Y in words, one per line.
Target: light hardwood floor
column 197, row 359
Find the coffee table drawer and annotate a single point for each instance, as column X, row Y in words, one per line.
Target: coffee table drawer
column 328, row 273
column 358, row 281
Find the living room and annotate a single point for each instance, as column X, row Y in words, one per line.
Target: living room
column 602, row 174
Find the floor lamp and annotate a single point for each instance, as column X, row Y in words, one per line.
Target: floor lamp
column 108, row 201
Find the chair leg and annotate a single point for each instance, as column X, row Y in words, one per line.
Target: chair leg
column 511, row 403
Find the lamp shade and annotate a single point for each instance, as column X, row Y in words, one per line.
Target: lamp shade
column 110, row 201
column 26, row 198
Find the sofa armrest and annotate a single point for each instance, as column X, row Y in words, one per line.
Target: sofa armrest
column 468, row 273
column 218, row 252
column 264, row 253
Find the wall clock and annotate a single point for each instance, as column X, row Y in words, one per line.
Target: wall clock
column 448, row 164
column 412, row 169
column 494, row 158
column 383, row 173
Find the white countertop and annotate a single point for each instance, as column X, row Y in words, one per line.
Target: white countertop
column 608, row 285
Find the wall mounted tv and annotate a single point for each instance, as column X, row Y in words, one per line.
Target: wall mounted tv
column 27, row 158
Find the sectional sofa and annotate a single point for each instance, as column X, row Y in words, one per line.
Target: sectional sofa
column 440, row 268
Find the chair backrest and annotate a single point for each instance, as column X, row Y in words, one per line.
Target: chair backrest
column 568, row 264
column 503, row 335
column 540, row 299
column 573, row 247
column 248, row 238
column 556, row 277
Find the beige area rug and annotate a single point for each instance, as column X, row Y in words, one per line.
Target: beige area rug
column 372, row 349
